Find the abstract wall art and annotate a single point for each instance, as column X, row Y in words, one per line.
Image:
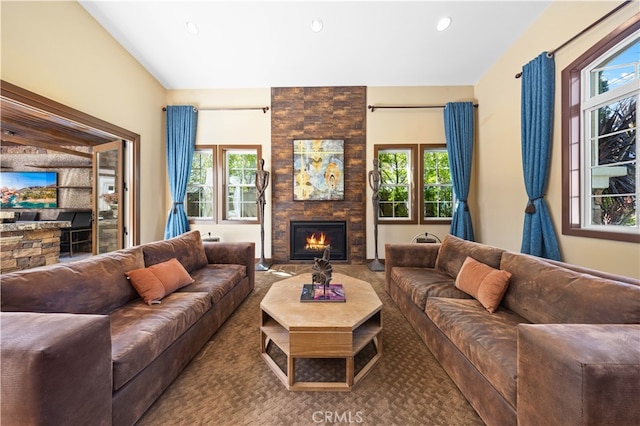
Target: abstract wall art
column 318, row 169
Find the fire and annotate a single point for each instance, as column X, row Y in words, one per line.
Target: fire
column 317, row 243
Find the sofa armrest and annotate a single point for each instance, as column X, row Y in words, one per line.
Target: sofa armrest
column 579, row 374
column 410, row 255
column 54, row 368
column 233, row 253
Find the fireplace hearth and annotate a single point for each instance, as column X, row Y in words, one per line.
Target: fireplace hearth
column 309, row 239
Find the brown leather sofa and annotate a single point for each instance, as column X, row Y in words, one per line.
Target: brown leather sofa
column 79, row 346
column 563, row 347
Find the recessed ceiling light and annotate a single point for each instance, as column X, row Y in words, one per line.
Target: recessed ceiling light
column 316, row 25
column 191, row 28
column 443, row 23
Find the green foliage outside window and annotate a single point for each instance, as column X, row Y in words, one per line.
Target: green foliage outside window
column 613, row 146
column 395, row 172
column 241, row 168
column 615, row 150
column 437, row 187
column 199, row 199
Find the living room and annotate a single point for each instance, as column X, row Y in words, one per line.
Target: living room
column 59, row 51
column 57, row 66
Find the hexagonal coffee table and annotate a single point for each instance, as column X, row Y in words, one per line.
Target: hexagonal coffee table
column 321, row 329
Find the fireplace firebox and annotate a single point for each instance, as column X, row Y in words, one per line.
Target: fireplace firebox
column 309, row 239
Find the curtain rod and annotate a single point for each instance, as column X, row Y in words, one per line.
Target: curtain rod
column 552, row 52
column 264, row 109
column 375, row 107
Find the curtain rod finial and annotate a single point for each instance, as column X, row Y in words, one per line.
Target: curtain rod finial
column 519, row 75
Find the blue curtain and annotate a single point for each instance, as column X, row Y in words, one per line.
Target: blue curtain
column 181, row 138
column 459, row 129
column 538, row 86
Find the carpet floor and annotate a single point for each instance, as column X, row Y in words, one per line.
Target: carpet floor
column 228, row 382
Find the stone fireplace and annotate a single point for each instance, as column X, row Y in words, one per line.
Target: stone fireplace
column 310, row 238
column 319, row 113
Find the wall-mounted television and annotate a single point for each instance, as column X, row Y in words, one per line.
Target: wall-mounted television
column 29, row 190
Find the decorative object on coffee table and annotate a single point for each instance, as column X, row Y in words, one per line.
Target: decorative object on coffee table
column 262, row 182
column 374, row 183
column 322, row 268
column 321, row 289
column 328, row 293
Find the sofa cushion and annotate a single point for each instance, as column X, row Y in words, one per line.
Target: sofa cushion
column 489, row 342
column 156, row 281
column 141, row 332
column 454, row 251
column 96, row 285
column 420, row 283
column 216, row 280
column 486, row 284
column 548, row 294
column 187, row 248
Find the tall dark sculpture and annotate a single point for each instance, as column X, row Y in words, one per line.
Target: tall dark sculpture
column 262, row 182
column 374, row 183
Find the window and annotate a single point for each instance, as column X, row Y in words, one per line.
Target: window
column 396, row 194
column 600, row 116
column 397, row 164
column 222, row 184
column 200, row 202
column 239, row 166
column 437, row 188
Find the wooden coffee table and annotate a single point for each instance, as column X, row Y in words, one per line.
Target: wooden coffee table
column 321, row 329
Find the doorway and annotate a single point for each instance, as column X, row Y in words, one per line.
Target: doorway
column 29, row 119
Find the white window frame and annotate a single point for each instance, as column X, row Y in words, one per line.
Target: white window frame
column 224, row 152
column 431, row 220
column 588, row 130
column 412, row 159
column 212, row 185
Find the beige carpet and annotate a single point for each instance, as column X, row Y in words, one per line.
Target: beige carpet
column 228, row 383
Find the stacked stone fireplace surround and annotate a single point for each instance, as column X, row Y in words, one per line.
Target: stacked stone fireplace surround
column 319, row 113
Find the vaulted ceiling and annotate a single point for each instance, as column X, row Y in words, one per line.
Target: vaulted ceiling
column 211, row 44
column 270, row 43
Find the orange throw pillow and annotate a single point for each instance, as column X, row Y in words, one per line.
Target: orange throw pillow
column 486, row 284
column 157, row 281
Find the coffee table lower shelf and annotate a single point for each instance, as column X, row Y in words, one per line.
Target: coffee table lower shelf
column 318, row 344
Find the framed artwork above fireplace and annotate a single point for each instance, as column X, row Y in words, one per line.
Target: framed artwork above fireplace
column 318, row 169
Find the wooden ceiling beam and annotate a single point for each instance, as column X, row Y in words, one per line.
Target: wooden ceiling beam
column 18, row 127
column 41, row 144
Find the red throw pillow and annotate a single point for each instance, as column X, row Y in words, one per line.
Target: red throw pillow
column 157, row 281
column 486, row 284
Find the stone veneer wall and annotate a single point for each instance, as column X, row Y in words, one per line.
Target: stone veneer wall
column 23, row 250
column 319, row 113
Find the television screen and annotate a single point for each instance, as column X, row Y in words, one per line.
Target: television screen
column 29, row 190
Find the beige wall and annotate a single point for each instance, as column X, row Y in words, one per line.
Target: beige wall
column 407, row 126
column 500, row 186
column 57, row 50
column 251, row 127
